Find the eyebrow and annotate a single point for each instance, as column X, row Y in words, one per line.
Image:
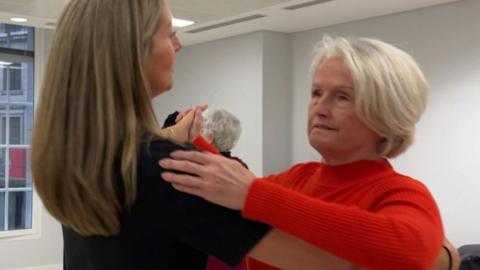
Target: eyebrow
column 340, row 86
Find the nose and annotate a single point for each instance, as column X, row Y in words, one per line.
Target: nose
column 177, row 45
column 322, row 106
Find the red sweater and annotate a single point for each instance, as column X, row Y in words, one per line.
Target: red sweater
column 363, row 212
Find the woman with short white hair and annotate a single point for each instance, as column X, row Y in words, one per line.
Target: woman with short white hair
column 366, row 98
column 221, row 128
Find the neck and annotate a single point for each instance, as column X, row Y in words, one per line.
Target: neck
column 345, row 159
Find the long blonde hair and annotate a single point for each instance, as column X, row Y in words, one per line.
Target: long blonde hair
column 94, row 108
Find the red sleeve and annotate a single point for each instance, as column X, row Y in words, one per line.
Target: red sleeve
column 404, row 232
column 202, row 144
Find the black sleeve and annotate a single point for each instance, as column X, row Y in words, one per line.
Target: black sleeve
column 212, row 229
column 170, row 121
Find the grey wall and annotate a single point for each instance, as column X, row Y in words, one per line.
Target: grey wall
column 445, row 41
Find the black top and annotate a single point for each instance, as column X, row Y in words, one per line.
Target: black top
column 165, row 229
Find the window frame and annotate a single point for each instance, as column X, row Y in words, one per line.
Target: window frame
column 39, row 61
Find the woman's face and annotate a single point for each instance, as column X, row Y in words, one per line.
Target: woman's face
column 160, row 63
column 334, row 129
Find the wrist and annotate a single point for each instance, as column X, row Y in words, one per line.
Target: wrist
column 246, row 191
column 171, row 133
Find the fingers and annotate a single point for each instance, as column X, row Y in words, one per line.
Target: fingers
column 197, row 125
column 198, row 115
column 182, row 165
column 202, row 158
column 202, row 108
column 182, row 179
column 184, row 183
column 187, row 118
column 182, row 128
column 189, row 190
column 182, row 114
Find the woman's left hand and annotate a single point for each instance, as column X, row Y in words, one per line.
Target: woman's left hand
column 188, row 127
column 216, row 179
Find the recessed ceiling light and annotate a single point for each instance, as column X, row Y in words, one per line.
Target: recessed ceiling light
column 181, row 23
column 18, row 19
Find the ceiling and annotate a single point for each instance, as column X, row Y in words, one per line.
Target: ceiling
column 219, row 16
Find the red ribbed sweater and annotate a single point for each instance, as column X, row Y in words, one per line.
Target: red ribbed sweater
column 363, row 212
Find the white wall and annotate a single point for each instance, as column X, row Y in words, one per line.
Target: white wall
column 223, row 74
column 445, row 41
column 248, row 75
column 44, row 251
column 277, row 104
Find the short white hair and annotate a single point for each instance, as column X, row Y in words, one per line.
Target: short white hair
column 390, row 89
column 223, row 127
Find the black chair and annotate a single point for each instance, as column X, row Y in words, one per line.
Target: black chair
column 470, row 256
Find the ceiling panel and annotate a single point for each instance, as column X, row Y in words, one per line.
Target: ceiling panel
column 220, row 12
column 36, row 8
column 201, row 11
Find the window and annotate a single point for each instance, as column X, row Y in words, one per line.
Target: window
column 16, row 122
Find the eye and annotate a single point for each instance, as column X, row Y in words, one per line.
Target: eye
column 344, row 100
column 316, row 93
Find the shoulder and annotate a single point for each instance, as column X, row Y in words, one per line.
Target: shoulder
column 296, row 173
column 401, row 181
column 150, row 153
column 398, row 187
column 159, row 148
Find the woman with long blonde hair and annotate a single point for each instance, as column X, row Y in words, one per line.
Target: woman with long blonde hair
column 96, row 144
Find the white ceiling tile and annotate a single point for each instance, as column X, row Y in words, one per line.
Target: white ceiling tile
column 208, row 12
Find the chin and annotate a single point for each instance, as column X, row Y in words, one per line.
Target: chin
column 315, row 144
column 159, row 90
column 320, row 145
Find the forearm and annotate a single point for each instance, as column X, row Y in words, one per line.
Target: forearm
column 285, row 251
column 348, row 232
column 448, row 258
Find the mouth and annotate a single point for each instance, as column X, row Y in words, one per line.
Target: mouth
column 323, row 127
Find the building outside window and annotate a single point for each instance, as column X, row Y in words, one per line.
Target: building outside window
column 16, row 122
